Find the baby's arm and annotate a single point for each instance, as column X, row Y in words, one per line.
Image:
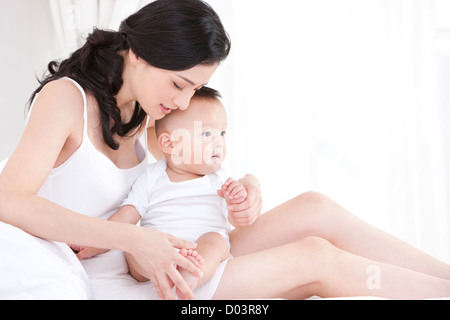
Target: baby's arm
column 126, row 214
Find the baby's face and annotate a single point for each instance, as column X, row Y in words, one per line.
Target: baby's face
column 199, row 137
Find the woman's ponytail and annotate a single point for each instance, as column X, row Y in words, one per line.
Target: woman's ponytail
column 98, row 67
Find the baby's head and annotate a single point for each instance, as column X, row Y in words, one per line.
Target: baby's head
column 193, row 140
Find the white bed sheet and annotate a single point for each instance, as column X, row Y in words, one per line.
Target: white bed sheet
column 33, row 268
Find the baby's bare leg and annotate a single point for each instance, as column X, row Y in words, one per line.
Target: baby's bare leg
column 214, row 249
column 211, row 250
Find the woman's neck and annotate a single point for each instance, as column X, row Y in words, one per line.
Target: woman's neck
column 126, row 101
column 126, row 111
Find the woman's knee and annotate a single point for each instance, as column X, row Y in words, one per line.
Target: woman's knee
column 316, row 250
column 313, row 257
column 314, row 199
column 313, row 213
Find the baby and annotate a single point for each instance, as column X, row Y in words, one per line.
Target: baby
column 182, row 194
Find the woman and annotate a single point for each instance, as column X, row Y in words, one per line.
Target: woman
column 88, row 149
column 92, row 142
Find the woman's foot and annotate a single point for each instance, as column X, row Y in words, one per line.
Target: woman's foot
column 190, row 279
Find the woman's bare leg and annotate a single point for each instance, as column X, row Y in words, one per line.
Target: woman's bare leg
column 313, row 266
column 313, row 214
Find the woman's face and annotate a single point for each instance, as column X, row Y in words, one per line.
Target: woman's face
column 160, row 91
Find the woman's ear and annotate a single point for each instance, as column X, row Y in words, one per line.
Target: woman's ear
column 133, row 57
column 165, row 143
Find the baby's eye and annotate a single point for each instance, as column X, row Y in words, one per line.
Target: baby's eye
column 223, row 133
column 207, row 134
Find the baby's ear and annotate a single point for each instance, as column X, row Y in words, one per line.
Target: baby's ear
column 165, row 143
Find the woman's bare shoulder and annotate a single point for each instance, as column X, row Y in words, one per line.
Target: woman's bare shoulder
column 60, row 99
column 62, row 91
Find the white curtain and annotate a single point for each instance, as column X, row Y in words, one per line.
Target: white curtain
column 416, row 157
column 74, row 19
column 342, row 97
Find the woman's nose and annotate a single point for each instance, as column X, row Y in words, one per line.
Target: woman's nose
column 182, row 100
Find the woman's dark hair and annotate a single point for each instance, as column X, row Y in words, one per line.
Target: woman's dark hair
column 168, row 34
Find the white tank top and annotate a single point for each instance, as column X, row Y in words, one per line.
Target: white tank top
column 89, row 182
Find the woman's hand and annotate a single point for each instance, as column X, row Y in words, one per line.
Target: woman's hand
column 244, row 213
column 154, row 256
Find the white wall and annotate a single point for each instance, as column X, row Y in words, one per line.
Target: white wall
column 26, row 47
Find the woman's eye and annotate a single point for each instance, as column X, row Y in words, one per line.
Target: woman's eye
column 177, row 86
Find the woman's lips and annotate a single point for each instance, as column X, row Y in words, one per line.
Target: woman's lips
column 165, row 110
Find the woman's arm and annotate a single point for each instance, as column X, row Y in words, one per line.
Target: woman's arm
column 125, row 214
column 54, row 128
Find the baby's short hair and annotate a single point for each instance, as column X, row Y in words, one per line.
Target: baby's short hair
column 205, row 93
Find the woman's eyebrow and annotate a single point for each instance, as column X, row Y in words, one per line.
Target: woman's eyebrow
column 186, row 79
column 190, row 81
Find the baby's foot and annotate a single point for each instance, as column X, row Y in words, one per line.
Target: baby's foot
column 190, row 279
column 198, row 260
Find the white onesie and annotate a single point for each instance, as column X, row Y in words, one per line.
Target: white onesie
column 184, row 209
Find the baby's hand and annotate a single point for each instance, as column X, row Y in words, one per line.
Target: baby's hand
column 233, row 191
